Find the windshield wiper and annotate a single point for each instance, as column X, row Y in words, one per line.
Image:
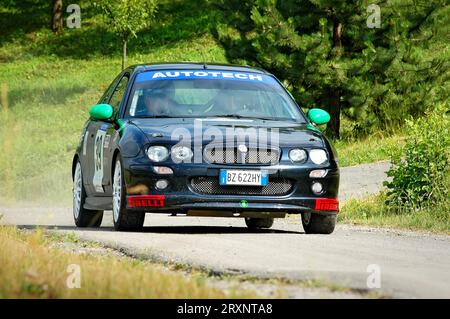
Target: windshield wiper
column 248, row 117
column 227, row 115
column 157, row 116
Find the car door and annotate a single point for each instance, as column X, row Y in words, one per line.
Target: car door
column 98, row 135
column 87, row 152
column 102, row 133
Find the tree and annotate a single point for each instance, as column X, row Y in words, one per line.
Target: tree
column 303, row 43
column 57, row 22
column 325, row 53
column 126, row 18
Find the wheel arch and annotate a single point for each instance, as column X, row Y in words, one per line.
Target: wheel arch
column 74, row 163
column 113, row 162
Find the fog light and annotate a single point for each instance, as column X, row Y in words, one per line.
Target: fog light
column 318, row 173
column 162, row 170
column 162, row 184
column 317, row 188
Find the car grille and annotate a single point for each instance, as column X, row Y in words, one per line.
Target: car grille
column 211, row 185
column 216, row 155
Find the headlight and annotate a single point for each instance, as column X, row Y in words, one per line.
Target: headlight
column 297, row 155
column 157, row 153
column 318, row 156
column 181, row 154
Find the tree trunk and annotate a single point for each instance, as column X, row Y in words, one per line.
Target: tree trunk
column 57, row 23
column 124, row 54
column 337, row 36
column 334, row 96
column 334, row 108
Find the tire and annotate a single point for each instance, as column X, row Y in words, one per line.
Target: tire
column 258, row 223
column 83, row 217
column 124, row 219
column 318, row 224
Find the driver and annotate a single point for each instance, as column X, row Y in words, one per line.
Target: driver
column 157, row 104
column 223, row 103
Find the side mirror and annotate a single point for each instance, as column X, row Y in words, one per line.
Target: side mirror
column 101, row 112
column 318, row 116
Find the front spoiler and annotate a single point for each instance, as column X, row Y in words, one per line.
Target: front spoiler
column 234, row 206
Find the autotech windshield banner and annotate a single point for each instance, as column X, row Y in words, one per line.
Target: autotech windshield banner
column 206, row 75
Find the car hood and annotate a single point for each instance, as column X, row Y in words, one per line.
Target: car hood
column 290, row 133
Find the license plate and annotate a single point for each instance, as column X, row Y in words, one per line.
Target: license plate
column 243, row 177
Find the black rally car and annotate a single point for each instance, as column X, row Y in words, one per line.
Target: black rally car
column 203, row 140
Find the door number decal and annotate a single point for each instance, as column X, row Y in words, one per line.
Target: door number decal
column 98, row 160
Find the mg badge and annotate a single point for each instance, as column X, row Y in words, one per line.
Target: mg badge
column 242, row 148
column 242, row 152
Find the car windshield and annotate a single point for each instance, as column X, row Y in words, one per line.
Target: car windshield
column 205, row 94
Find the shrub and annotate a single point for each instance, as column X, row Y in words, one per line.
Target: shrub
column 420, row 170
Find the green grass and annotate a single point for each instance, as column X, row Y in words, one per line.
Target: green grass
column 370, row 149
column 373, row 211
column 354, row 149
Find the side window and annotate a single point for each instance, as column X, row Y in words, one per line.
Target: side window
column 118, row 93
column 109, row 91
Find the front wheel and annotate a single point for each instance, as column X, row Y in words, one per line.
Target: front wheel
column 318, row 224
column 258, row 223
column 83, row 217
column 123, row 219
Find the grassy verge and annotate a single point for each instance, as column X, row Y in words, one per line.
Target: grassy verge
column 372, row 211
column 32, row 268
column 370, row 149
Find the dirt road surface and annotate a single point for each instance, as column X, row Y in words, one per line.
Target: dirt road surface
column 392, row 263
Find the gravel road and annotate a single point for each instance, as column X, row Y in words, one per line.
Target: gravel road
column 409, row 265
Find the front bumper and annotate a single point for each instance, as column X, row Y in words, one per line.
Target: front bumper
column 181, row 197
